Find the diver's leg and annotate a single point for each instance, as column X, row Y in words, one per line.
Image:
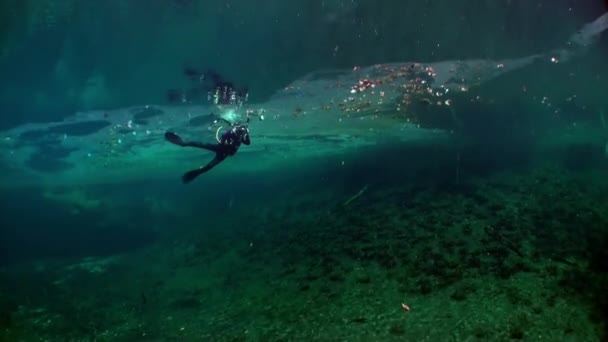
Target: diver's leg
column 191, row 175
column 210, row 147
column 174, row 138
column 177, row 140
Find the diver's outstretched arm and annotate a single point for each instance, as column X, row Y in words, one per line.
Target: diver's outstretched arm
column 191, row 175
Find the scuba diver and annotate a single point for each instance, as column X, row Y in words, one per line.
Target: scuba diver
column 228, row 144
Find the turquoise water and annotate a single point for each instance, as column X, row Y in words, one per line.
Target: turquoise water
column 425, row 171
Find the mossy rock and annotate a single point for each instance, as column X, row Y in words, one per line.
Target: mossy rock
column 424, row 285
column 359, row 320
column 336, row 277
column 459, row 294
column 481, row 332
column 516, row 333
column 187, row 303
column 363, row 280
column 5, row 319
column 396, row 330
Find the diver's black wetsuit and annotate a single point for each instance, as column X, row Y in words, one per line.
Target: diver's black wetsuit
column 229, row 143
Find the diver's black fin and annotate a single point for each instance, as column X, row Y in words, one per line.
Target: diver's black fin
column 191, row 175
column 174, row 138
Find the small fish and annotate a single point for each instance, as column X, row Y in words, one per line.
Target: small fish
column 405, row 307
column 173, row 95
column 192, row 73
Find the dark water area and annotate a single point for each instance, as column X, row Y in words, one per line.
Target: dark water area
column 36, row 225
column 490, row 225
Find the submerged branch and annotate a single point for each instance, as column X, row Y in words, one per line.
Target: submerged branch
column 357, row 195
column 503, row 241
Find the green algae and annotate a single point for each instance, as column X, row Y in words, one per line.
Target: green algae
column 312, row 274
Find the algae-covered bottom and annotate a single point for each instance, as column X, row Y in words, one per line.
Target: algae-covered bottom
column 512, row 256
